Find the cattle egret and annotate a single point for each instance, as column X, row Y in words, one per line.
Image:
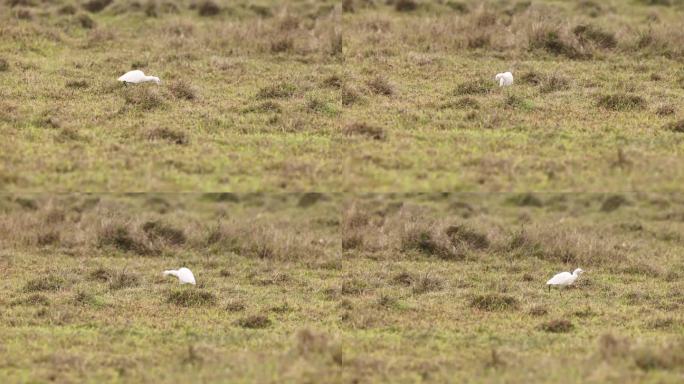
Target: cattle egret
column 184, row 275
column 505, row 79
column 137, row 76
column 564, row 279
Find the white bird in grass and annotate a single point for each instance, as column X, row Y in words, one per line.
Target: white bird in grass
column 137, row 76
column 184, row 275
column 564, row 279
column 505, row 79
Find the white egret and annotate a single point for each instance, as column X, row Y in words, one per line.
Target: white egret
column 564, row 279
column 184, row 275
column 505, row 79
column 137, row 76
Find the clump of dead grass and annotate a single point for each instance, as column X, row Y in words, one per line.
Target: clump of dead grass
column 364, row 130
column 621, row 102
column 494, row 302
column 191, row 297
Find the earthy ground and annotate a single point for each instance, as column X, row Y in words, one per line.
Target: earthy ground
column 376, row 288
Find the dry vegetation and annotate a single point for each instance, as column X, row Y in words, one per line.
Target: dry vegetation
column 341, row 288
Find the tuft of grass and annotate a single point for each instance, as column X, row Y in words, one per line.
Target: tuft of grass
column 309, row 199
column 473, row 87
column 621, row 102
column 277, row 91
column 494, row 302
column 235, row 306
column 173, row 136
column 36, row 299
column 589, row 33
column 427, row 283
column 365, row 130
column 353, row 287
column 525, row 200
column 145, row 98
column 551, row 41
column 380, row 86
column 350, row 96
column 677, row 126
column 462, row 235
column 67, row 9
column 159, row 230
column 538, row 311
column 123, row 279
column 613, row 202
column 557, row 326
column 208, row 8
column 462, row 103
column 404, row 278
column 191, row 297
column 254, row 322
column 667, row 110
column 4, row 65
column 282, row 44
column 44, row 283
column 553, row 83
column 119, row 237
column 423, row 239
column 95, row 6
column 265, row 107
column 77, row 84
column 182, row 89
column 85, row 21
column 405, row 5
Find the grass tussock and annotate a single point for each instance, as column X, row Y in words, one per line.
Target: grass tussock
column 473, row 88
column 613, row 202
column 254, row 322
column 494, row 302
column 4, row 65
column 169, row 135
column 122, row 280
column 44, row 283
column 208, row 8
column 427, row 283
column 380, row 86
column 277, row 91
column 319, row 344
column 364, row 130
column 557, row 326
column 182, row 89
column 191, row 297
column 96, row 6
column 621, row 102
column 144, row 98
column 677, row 126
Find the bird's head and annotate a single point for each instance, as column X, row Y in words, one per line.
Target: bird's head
column 577, row 271
column 156, row 79
column 498, row 76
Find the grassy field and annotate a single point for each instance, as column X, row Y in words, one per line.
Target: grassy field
column 245, row 101
column 341, row 288
column 357, row 95
column 598, row 87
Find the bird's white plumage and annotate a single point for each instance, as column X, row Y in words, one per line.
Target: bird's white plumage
column 564, row 278
column 184, row 275
column 504, row 79
column 137, row 76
